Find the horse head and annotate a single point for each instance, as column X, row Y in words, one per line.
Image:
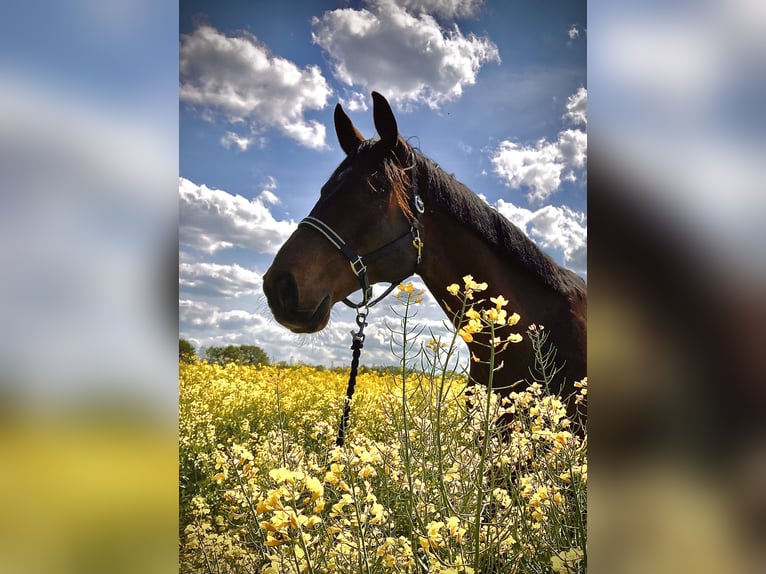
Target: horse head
column 358, row 232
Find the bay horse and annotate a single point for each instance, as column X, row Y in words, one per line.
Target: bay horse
column 388, row 201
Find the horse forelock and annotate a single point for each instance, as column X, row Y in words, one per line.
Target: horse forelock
column 381, row 171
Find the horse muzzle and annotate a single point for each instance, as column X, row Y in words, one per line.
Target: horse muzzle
column 284, row 300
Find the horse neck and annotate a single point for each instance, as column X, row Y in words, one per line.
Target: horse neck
column 453, row 249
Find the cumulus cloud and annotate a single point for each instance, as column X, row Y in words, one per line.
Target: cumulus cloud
column 356, row 102
column 205, row 324
column 238, row 77
column 448, row 9
column 542, row 167
column 212, row 219
column 553, row 227
column 409, row 58
column 217, row 280
column 577, row 107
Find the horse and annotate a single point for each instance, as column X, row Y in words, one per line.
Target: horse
column 407, row 216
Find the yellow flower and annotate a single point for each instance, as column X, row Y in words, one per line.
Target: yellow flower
column 496, row 316
column 271, row 541
column 333, row 475
column 367, row 472
column 472, row 285
column 314, row 486
column 278, row 521
column 285, row 475
column 378, row 513
column 453, row 289
column 565, row 562
column 313, row 520
column 499, row 301
column 513, row 319
column 272, row 502
column 455, row 530
column 433, row 536
column 465, row 335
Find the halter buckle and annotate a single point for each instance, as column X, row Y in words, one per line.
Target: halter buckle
column 358, row 266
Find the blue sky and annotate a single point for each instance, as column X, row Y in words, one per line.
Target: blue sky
column 494, row 91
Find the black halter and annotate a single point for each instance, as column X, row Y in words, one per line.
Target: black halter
column 359, row 263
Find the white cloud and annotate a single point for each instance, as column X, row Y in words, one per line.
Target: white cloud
column 212, row 219
column 536, row 167
column 217, row 280
column 573, row 32
column 230, row 138
column 206, row 324
column 238, row 77
column 267, row 196
column 357, row 102
column 573, row 147
column 543, row 166
column 553, row 228
column 577, row 107
column 407, row 58
column 443, row 8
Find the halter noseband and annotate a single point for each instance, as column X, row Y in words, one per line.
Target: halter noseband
column 358, row 262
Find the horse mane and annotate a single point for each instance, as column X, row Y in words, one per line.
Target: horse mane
column 470, row 211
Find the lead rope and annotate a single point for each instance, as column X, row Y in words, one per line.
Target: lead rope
column 356, row 346
column 363, row 309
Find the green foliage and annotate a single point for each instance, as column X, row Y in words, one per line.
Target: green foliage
column 186, row 351
column 237, row 354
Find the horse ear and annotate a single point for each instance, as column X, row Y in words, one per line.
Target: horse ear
column 348, row 136
column 385, row 124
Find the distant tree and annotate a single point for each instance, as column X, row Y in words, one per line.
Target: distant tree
column 186, row 352
column 252, row 355
column 239, row 354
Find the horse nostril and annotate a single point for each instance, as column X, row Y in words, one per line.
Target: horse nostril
column 286, row 292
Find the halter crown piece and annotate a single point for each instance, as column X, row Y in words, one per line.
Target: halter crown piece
column 359, row 265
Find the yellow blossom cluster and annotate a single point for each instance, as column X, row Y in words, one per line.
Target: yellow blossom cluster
column 407, row 292
column 264, row 489
column 496, row 317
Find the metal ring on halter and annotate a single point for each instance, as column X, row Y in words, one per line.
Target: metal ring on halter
column 419, row 203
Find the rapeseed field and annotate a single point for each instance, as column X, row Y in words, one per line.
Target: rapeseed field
column 435, row 475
